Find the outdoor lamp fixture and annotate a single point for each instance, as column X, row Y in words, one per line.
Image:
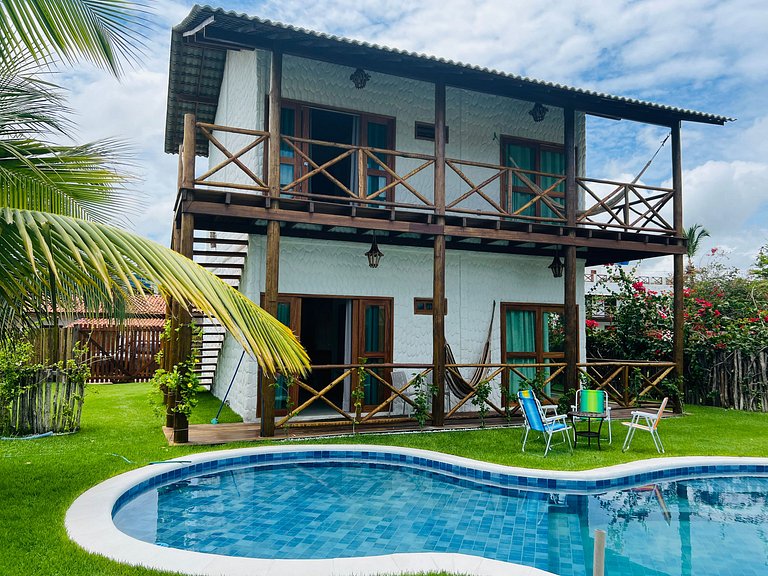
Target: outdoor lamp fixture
column 538, row 112
column 556, row 266
column 359, row 78
column 374, row 254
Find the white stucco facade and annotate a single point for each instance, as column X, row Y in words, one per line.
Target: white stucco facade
column 474, row 280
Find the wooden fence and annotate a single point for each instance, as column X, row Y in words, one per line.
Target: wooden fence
column 47, row 402
column 737, row 379
column 113, row 353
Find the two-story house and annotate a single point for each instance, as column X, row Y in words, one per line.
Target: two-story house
column 389, row 203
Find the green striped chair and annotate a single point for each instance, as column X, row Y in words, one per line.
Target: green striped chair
column 594, row 401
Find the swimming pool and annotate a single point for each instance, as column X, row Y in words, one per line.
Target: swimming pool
column 380, row 509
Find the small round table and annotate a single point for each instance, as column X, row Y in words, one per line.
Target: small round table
column 588, row 433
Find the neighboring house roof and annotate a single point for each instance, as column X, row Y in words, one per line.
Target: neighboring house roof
column 200, row 42
column 142, row 311
column 91, row 323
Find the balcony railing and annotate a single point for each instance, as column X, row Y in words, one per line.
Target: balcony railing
column 405, row 181
column 628, row 384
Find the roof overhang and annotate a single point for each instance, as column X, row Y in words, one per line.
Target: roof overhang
column 200, row 43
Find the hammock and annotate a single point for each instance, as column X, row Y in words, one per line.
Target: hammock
column 457, row 385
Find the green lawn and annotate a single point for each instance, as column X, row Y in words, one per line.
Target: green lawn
column 39, row 479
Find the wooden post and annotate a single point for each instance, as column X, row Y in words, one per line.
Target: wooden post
column 569, row 146
column 572, row 328
column 571, row 320
column 183, row 238
column 188, row 152
column 438, row 279
column 271, row 290
column 678, row 274
column 598, row 555
column 170, row 345
column 183, row 348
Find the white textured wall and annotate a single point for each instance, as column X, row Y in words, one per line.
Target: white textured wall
column 310, row 267
column 241, row 105
column 473, row 120
column 473, row 282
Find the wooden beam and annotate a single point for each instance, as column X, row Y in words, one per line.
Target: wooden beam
column 438, row 279
column 183, row 326
column 438, row 331
column 677, row 180
column 571, row 192
column 188, row 152
column 267, row 392
column 678, row 308
column 571, row 320
column 275, row 98
column 439, row 191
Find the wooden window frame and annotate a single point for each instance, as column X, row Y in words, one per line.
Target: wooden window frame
column 427, row 309
column 428, row 127
column 302, row 130
column 357, row 344
column 539, row 146
column 539, row 355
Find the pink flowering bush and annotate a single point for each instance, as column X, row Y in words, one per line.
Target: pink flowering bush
column 722, row 311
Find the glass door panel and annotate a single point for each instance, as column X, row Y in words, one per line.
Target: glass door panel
column 374, row 344
column 378, row 133
column 531, row 334
column 281, row 388
column 289, row 314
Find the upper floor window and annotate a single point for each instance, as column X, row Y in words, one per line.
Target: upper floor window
column 536, row 160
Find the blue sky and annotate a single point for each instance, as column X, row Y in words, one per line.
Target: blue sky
column 701, row 54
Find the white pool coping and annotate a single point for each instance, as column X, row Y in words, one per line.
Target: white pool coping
column 89, row 520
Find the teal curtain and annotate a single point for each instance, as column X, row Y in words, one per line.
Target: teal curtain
column 552, row 162
column 374, row 329
column 374, row 342
column 521, row 337
column 377, row 138
column 521, row 331
column 281, row 389
column 287, row 128
column 523, row 157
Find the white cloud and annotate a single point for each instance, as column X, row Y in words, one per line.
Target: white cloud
column 691, row 53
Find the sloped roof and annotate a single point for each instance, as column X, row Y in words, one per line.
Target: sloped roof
column 140, row 305
column 200, row 42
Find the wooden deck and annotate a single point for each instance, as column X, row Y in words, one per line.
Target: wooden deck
column 214, row 434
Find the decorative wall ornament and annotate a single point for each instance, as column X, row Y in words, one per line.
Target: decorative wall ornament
column 538, row 112
column 374, row 254
column 360, row 78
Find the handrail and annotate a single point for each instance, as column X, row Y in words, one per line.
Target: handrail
column 629, row 207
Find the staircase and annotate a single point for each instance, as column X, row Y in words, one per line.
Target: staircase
column 224, row 256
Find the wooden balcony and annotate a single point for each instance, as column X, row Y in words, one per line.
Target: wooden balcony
column 482, row 210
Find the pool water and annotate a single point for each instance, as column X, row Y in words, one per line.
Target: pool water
column 714, row 525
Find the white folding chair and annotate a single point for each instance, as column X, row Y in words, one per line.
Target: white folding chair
column 647, row 421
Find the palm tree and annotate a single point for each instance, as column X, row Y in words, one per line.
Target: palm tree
column 59, row 246
column 694, row 234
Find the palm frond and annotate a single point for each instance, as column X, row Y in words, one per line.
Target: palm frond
column 82, row 181
column 29, row 105
column 107, row 33
column 97, row 267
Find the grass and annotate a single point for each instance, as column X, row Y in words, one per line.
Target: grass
column 39, row 479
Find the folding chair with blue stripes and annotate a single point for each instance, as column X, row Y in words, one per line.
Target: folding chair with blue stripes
column 536, row 419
